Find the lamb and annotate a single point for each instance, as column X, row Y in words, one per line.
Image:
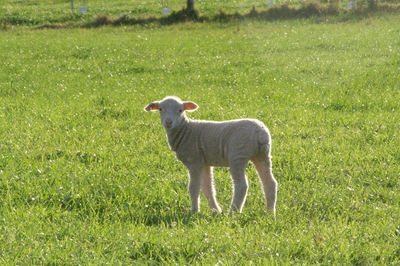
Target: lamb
column 200, row 145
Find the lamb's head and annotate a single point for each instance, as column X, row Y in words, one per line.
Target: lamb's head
column 172, row 111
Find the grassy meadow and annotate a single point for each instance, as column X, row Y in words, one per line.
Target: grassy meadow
column 58, row 13
column 53, row 11
column 86, row 176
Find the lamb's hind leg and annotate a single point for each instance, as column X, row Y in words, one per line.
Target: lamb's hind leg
column 269, row 184
column 240, row 185
column 207, row 186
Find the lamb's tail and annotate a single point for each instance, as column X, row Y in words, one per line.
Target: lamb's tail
column 264, row 141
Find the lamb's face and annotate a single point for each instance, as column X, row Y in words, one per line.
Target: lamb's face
column 172, row 111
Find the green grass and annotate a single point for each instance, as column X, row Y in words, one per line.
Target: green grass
column 40, row 12
column 44, row 12
column 86, row 176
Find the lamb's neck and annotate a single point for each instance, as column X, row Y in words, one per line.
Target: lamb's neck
column 176, row 136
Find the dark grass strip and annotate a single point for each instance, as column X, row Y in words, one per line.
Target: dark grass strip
column 279, row 12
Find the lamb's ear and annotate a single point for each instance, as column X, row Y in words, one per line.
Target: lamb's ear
column 152, row 106
column 190, row 106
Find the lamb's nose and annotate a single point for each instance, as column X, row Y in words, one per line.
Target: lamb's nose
column 168, row 123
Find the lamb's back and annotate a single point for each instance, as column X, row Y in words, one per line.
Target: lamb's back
column 222, row 142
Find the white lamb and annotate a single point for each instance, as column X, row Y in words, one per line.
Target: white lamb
column 200, row 145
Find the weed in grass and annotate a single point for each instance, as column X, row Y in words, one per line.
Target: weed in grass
column 102, row 20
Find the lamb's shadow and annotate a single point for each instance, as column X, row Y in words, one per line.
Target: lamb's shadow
column 184, row 217
column 176, row 217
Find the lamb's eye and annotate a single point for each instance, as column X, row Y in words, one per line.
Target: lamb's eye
column 160, row 109
column 180, row 111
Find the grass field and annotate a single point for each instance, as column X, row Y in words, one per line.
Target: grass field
column 43, row 12
column 53, row 11
column 86, row 176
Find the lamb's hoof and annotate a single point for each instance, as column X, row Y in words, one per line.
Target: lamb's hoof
column 194, row 212
column 234, row 212
column 215, row 212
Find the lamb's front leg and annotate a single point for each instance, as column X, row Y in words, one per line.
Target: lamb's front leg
column 194, row 187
